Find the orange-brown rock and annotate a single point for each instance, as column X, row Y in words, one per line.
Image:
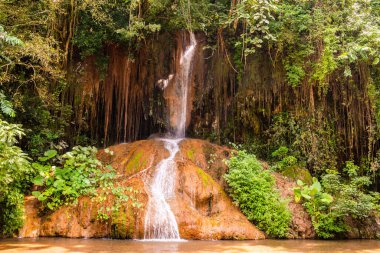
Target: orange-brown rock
column 201, row 207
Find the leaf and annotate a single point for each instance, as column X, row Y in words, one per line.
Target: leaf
column 37, row 166
column 41, row 197
column 6, row 106
column 36, row 193
column 50, row 206
column 297, row 194
column 326, row 198
column 59, row 184
column 300, row 183
column 38, row 180
column 376, row 61
column 317, row 185
column 313, row 190
column 50, row 153
column 347, row 72
column 306, row 196
column 42, row 159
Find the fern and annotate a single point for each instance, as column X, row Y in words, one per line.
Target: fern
column 6, row 106
column 8, row 39
column 9, row 133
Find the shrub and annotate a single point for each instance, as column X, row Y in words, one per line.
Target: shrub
column 285, row 160
column 15, row 172
column 79, row 174
column 340, row 197
column 326, row 221
column 351, row 198
column 253, row 190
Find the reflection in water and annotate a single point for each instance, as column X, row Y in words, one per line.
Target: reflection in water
column 58, row 245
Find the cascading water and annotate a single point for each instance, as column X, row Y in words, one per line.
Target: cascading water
column 183, row 85
column 160, row 222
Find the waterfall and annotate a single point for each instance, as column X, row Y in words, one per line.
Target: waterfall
column 160, row 222
column 182, row 83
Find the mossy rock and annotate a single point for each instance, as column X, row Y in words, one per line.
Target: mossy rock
column 190, row 154
column 206, row 178
column 135, row 163
column 296, row 172
column 122, row 226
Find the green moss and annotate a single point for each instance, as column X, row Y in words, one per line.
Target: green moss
column 206, row 178
column 190, row 154
column 131, row 223
column 223, row 193
column 135, row 163
column 85, row 204
column 68, row 215
column 118, row 227
column 296, row 172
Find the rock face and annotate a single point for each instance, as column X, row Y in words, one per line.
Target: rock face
column 301, row 226
column 201, row 207
column 368, row 228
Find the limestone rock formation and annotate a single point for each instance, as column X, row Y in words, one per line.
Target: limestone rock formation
column 201, row 206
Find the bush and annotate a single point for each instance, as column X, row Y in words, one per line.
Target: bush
column 285, row 160
column 79, row 173
column 326, row 221
column 351, row 198
column 253, row 190
column 15, row 173
column 76, row 173
column 340, row 197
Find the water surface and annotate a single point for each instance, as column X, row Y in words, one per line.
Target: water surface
column 58, row 245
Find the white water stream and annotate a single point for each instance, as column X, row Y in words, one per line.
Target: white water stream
column 183, row 83
column 160, row 222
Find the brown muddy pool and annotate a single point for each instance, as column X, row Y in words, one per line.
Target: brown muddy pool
column 54, row 245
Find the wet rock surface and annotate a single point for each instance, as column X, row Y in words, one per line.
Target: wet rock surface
column 201, row 206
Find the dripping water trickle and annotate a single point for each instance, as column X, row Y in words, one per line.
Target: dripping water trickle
column 160, row 222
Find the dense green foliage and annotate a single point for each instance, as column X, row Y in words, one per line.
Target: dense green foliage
column 63, row 179
column 253, row 190
column 15, row 173
column 325, row 220
column 312, row 45
column 339, row 198
column 15, row 168
column 306, row 142
column 78, row 175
